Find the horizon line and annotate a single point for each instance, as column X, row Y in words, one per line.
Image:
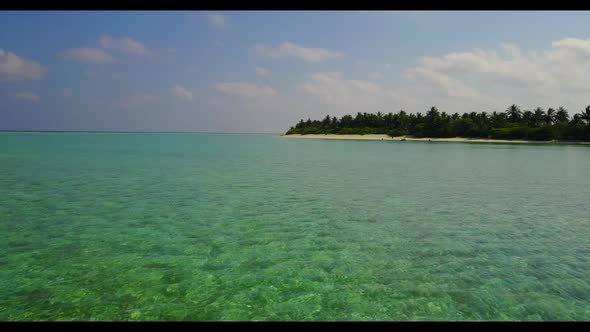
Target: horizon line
column 133, row 132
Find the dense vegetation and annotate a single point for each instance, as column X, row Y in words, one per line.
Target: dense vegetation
column 554, row 124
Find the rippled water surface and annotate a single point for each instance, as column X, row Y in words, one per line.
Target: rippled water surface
column 97, row 226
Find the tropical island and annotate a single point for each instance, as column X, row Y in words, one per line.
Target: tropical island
column 514, row 124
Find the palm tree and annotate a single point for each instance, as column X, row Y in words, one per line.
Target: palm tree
column 326, row 122
column 346, row 121
column 528, row 118
column 550, row 116
column 481, row 119
column 585, row 115
column 538, row 116
column 513, row 112
column 433, row 113
column 561, row 116
column 497, row 119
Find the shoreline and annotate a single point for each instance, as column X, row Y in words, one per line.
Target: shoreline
column 373, row 137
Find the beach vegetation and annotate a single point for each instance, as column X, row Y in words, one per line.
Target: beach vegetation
column 511, row 124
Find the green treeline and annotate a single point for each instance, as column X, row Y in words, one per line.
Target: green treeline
column 553, row 124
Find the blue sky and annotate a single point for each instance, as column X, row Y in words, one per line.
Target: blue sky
column 263, row 71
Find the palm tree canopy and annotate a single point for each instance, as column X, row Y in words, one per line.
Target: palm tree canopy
column 513, row 112
column 514, row 123
column 561, row 115
column 585, row 115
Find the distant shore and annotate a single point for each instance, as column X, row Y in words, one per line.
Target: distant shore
column 425, row 139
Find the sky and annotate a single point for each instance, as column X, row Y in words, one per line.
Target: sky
column 248, row 71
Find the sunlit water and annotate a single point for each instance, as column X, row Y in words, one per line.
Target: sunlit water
column 97, row 226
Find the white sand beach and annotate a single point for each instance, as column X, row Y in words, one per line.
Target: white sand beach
column 425, row 139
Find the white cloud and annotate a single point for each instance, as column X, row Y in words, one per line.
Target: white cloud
column 87, row 55
column 288, row 49
column 347, row 95
column 28, row 97
column 549, row 77
column 125, row 45
column 462, row 81
column 14, row 68
column 182, row 93
column 580, row 46
column 245, row 90
column 317, row 95
column 263, row 72
column 451, row 87
column 217, row 20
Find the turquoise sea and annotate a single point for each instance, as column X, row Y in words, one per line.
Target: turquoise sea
column 141, row 226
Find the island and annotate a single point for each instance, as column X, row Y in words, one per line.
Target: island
column 512, row 125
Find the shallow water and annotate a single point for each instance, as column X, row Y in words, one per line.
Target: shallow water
column 97, row 226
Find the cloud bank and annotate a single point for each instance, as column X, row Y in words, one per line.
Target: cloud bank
column 288, row 49
column 15, row 68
